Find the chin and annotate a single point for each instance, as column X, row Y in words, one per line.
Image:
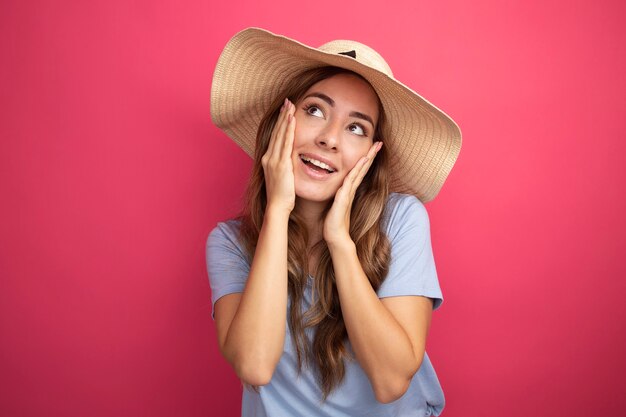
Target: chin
column 314, row 191
column 314, row 195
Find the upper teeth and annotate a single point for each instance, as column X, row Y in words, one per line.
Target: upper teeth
column 317, row 163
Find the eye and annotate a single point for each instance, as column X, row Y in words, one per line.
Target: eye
column 358, row 129
column 313, row 110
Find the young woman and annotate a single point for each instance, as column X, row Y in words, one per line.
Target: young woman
column 323, row 288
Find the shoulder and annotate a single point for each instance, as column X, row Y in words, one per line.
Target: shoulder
column 412, row 269
column 225, row 238
column 228, row 229
column 404, row 211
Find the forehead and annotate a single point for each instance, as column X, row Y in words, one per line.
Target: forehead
column 350, row 93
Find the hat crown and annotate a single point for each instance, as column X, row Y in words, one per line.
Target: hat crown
column 362, row 53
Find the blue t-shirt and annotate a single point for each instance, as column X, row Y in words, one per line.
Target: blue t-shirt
column 411, row 272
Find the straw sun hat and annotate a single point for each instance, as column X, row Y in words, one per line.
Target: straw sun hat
column 256, row 65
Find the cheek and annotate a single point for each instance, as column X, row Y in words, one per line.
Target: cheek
column 357, row 153
column 297, row 143
column 297, row 134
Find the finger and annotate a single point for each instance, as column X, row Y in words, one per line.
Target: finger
column 289, row 136
column 345, row 194
column 274, row 134
column 270, row 146
column 371, row 154
column 354, row 172
column 363, row 168
column 280, row 134
column 349, row 179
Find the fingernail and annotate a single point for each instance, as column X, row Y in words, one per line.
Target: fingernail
column 380, row 145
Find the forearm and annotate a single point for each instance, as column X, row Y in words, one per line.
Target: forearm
column 380, row 344
column 256, row 335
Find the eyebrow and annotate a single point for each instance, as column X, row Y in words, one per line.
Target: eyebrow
column 331, row 102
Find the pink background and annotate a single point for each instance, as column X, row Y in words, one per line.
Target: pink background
column 112, row 176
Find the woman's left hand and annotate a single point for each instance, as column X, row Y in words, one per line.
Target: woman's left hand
column 337, row 223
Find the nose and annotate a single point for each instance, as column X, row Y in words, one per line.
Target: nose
column 329, row 137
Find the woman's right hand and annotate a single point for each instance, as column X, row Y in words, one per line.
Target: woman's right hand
column 277, row 163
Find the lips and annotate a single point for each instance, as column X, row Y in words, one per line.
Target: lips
column 318, row 161
column 315, row 172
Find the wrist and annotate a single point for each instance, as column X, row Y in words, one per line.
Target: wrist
column 274, row 212
column 341, row 245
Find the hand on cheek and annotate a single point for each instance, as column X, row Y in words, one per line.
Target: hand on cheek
column 277, row 162
column 337, row 222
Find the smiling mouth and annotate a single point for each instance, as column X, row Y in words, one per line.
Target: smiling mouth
column 317, row 166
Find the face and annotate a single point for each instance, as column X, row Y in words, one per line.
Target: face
column 335, row 123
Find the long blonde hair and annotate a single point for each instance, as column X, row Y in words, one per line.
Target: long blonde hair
column 328, row 350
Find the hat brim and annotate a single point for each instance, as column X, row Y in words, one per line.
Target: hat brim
column 256, row 65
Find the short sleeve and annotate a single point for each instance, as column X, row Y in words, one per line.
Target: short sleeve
column 227, row 263
column 412, row 269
